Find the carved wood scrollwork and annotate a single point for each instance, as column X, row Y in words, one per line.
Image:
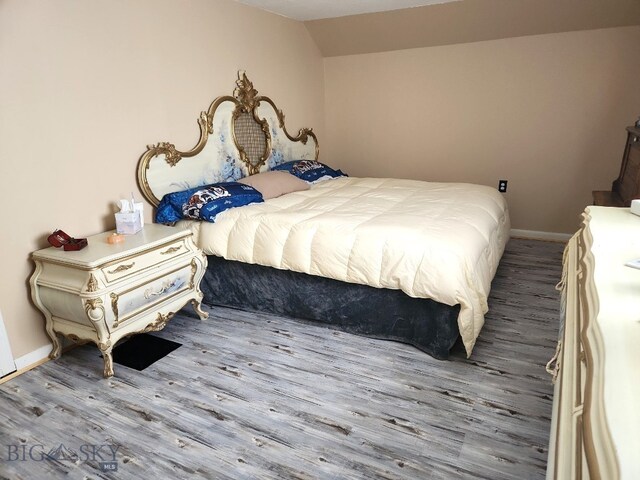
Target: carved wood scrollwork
column 247, row 100
column 171, row 250
column 94, row 309
column 159, row 323
column 245, row 94
column 122, row 268
column 194, row 269
column 171, row 155
column 92, row 284
column 114, row 308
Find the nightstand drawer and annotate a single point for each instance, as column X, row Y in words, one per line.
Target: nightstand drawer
column 141, row 262
column 134, row 300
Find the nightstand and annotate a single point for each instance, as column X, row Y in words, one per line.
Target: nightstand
column 105, row 292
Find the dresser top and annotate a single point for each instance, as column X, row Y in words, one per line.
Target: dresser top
column 616, row 240
column 99, row 252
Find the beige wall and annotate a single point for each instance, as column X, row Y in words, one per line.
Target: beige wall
column 545, row 112
column 86, row 85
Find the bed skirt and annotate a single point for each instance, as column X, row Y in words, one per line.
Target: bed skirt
column 373, row 312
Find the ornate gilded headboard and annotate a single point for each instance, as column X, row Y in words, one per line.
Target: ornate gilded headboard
column 240, row 135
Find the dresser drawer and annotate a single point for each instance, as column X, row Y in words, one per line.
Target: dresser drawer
column 153, row 258
column 135, row 300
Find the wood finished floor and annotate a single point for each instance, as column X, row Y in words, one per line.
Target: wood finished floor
column 257, row 396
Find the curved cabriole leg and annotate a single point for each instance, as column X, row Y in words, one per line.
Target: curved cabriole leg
column 94, row 308
column 197, row 306
column 35, row 296
column 108, row 360
column 55, row 352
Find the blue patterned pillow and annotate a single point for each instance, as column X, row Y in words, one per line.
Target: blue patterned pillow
column 205, row 202
column 309, row 170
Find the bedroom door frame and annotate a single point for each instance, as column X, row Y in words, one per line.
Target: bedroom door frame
column 7, row 364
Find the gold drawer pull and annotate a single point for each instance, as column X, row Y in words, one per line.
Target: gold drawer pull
column 166, row 285
column 148, row 293
column 171, row 250
column 123, row 268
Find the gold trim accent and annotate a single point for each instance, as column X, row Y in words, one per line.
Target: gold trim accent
column 166, row 285
column 247, row 102
column 92, row 304
column 171, row 155
column 92, row 284
column 114, row 307
column 197, row 306
column 171, row 250
column 194, row 270
column 123, row 268
column 159, row 323
column 244, row 92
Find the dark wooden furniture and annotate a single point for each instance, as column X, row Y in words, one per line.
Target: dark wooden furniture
column 627, row 186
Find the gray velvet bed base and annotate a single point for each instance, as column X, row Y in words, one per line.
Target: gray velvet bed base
column 378, row 313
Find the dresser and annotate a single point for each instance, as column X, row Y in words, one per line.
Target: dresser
column 595, row 430
column 106, row 292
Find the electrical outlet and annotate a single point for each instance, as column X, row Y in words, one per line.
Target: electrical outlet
column 502, row 186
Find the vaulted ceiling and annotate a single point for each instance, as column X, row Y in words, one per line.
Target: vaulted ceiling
column 466, row 21
column 340, row 27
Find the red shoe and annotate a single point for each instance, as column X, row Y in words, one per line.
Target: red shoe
column 58, row 238
column 61, row 239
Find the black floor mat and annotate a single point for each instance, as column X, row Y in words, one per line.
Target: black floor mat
column 142, row 350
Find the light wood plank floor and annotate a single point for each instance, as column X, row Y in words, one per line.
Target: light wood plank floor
column 258, row 396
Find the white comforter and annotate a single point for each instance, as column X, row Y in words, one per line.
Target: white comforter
column 430, row 240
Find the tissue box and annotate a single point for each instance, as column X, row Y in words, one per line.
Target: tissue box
column 128, row 223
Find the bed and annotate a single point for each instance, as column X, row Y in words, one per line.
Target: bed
column 394, row 259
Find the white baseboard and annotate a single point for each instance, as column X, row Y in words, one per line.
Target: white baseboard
column 34, row 357
column 548, row 236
